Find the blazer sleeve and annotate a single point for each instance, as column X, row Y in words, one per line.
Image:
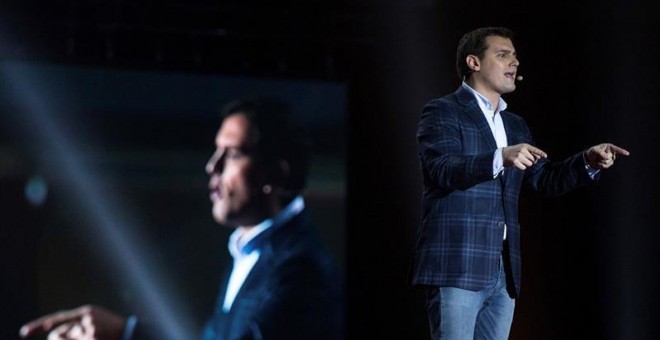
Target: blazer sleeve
column 452, row 152
column 548, row 177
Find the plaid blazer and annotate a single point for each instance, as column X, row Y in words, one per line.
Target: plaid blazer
column 464, row 209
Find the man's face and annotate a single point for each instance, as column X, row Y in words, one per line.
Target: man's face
column 235, row 190
column 497, row 69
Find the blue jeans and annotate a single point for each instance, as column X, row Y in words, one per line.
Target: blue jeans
column 459, row 314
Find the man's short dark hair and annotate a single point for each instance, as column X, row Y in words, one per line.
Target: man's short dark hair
column 474, row 43
column 278, row 137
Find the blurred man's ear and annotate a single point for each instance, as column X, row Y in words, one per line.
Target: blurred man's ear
column 277, row 174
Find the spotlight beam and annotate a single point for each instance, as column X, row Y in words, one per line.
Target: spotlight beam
column 40, row 118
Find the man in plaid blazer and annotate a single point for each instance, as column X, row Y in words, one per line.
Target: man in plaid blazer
column 475, row 156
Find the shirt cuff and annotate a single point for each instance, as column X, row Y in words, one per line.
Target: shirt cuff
column 590, row 171
column 498, row 163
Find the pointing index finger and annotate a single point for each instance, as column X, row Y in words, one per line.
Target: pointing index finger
column 619, row 150
column 537, row 152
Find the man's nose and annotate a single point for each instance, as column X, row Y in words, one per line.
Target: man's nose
column 215, row 163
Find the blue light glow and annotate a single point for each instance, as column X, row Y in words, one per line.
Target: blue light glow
column 58, row 152
column 36, row 190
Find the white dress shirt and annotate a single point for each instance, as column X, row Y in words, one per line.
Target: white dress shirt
column 245, row 259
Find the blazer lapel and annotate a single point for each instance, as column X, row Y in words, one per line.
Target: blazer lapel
column 471, row 109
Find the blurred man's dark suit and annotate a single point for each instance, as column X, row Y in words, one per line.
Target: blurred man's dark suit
column 292, row 292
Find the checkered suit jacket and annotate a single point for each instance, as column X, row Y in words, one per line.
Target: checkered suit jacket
column 465, row 209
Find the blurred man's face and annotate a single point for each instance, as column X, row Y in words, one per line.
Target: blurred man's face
column 236, row 193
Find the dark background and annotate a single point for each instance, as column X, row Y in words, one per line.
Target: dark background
column 589, row 258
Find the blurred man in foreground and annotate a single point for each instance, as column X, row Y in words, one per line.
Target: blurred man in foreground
column 282, row 283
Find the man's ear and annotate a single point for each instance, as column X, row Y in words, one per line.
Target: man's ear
column 473, row 62
column 277, row 174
